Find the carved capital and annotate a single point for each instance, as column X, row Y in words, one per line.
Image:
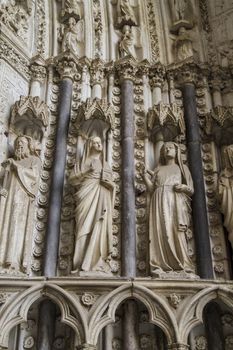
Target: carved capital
column 157, row 75
column 66, row 65
column 97, row 70
column 38, row 73
column 188, row 73
column 127, row 68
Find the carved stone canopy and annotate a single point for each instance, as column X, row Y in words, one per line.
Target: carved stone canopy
column 166, row 119
column 30, row 116
column 95, row 110
column 220, row 124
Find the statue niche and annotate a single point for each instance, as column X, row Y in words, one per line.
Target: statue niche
column 20, row 186
column 225, row 189
column 171, row 188
column 94, row 193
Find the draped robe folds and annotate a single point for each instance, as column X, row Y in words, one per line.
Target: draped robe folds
column 169, row 219
column 226, row 200
column 93, row 217
column 16, row 212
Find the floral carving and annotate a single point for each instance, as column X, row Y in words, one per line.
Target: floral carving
column 88, row 299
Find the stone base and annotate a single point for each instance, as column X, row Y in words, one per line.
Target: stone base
column 177, row 275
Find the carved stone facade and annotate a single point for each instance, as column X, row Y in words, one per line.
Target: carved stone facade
column 116, row 177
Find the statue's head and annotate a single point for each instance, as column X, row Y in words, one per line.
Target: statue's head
column 182, row 31
column 71, row 22
column 22, row 149
column 96, row 144
column 168, row 151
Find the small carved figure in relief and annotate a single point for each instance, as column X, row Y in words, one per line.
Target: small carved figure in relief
column 125, row 13
column 20, row 184
column 226, row 191
column 73, row 36
column 94, row 207
column 126, row 45
column 182, row 10
column 183, row 45
column 171, row 187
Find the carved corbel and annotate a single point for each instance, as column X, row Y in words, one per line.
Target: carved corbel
column 167, row 120
column 219, row 122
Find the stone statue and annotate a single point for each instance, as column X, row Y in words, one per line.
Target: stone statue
column 73, row 36
column 183, row 45
column 93, row 215
column 126, row 44
column 125, row 13
column 20, row 185
column 226, row 191
column 182, row 10
column 171, row 187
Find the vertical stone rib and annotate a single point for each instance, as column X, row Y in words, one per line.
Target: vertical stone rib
column 128, row 190
column 200, row 219
column 56, row 190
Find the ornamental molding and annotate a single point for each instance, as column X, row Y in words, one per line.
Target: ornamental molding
column 95, row 109
column 166, row 119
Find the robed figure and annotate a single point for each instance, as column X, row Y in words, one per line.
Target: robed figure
column 20, row 185
column 171, row 187
column 94, row 197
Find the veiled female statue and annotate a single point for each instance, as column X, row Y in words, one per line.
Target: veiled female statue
column 171, row 187
column 226, row 191
column 17, row 203
column 94, row 198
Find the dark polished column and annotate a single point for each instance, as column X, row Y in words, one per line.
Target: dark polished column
column 47, row 310
column 128, row 173
column 213, row 325
column 56, row 189
column 199, row 209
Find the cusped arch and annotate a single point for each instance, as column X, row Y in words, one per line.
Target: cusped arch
column 159, row 312
column 193, row 314
column 15, row 311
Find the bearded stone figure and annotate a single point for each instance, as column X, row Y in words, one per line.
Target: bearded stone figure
column 226, row 191
column 93, row 215
column 20, row 185
column 171, row 187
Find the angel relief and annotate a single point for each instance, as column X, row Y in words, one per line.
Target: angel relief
column 72, row 36
column 94, row 197
column 130, row 41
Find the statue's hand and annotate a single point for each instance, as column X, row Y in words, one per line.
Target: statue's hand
column 3, row 192
column 8, row 162
column 179, row 188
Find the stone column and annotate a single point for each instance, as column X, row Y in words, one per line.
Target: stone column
column 38, row 75
column 87, row 347
column 130, row 329
column 47, row 311
column 67, row 69
column 127, row 73
column 213, row 325
column 199, row 209
column 97, row 78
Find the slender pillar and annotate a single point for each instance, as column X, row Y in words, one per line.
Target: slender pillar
column 128, row 174
column 130, row 328
column 46, row 325
column 38, row 77
column 213, row 325
column 199, row 209
column 47, row 311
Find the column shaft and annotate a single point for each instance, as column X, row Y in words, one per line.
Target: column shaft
column 130, row 328
column 128, row 190
column 200, row 220
column 213, row 325
column 46, row 325
column 57, row 183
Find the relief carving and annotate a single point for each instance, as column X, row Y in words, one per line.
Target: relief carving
column 171, row 184
column 72, row 36
column 226, row 190
column 20, row 182
column 94, row 196
column 125, row 13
